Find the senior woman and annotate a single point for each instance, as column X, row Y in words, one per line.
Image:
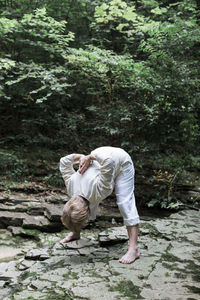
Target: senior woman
column 105, row 169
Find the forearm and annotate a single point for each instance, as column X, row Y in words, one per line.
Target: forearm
column 85, row 162
column 90, row 157
column 77, row 157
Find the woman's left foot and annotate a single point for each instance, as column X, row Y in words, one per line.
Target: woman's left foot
column 72, row 236
column 130, row 257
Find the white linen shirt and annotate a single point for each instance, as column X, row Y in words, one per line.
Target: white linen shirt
column 97, row 183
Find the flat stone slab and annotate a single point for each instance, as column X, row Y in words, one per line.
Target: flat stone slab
column 168, row 268
column 38, row 254
column 41, row 223
column 35, row 208
column 8, row 253
column 25, row 264
column 113, row 236
column 16, row 198
column 13, row 208
column 78, row 244
column 12, row 218
column 53, row 212
column 26, row 233
column 56, row 198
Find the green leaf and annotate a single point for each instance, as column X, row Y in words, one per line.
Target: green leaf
column 159, row 11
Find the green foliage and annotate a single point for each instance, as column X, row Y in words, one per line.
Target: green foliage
column 128, row 77
column 128, row 289
column 11, row 165
column 33, row 68
column 39, row 77
column 116, row 9
column 54, row 179
column 163, row 195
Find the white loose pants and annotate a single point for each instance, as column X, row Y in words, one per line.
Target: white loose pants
column 124, row 190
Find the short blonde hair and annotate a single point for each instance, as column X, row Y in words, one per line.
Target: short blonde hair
column 76, row 213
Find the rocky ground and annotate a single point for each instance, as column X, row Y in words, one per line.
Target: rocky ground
column 34, row 265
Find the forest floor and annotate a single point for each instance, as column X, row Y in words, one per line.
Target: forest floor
column 34, row 265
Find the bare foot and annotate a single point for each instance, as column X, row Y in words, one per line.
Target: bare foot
column 70, row 237
column 130, row 257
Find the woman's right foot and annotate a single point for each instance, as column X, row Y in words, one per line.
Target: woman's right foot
column 130, row 256
column 72, row 236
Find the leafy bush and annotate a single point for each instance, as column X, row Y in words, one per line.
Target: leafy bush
column 54, row 179
column 128, row 77
column 11, row 165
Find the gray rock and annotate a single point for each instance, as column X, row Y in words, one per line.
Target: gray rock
column 32, row 222
column 53, row 212
column 40, row 285
column 8, row 253
column 56, row 198
column 96, row 290
column 27, row 294
column 5, row 234
column 4, row 293
column 11, row 218
column 86, row 251
column 9, row 272
column 82, row 243
column 166, row 270
column 35, row 208
column 108, row 213
column 26, row 233
column 41, row 223
column 144, row 231
column 13, row 208
column 113, row 236
column 25, row 264
column 17, row 198
column 59, row 249
column 38, row 254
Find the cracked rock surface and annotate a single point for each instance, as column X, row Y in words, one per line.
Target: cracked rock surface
column 42, row 268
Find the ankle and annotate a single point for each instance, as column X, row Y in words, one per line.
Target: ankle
column 133, row 248
column 76, row 234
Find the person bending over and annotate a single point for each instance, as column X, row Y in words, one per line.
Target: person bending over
column 105, row 169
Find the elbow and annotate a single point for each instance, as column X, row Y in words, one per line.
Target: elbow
column 109, row 164
column 61, row 161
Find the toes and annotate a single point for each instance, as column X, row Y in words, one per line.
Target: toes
column 124, row 260
column 63, row 241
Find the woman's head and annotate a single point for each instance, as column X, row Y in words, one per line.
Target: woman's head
column 76, row 213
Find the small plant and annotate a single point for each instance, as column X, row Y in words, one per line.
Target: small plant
column 11, row 165
column 54, row 179
column 164, row 185
column 128, row 289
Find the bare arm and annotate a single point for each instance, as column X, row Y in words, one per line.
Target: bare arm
column 78, row 157
column 85, row 162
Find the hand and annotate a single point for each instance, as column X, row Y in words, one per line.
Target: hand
column 84, row 163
